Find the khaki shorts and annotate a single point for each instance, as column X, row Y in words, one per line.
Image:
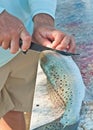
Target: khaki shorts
column 17, row 83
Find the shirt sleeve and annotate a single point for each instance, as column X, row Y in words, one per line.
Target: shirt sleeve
column 43, row 6
column 1, row 9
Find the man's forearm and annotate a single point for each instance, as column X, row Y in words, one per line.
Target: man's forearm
column 43, row 19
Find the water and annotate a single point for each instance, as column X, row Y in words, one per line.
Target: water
column 76, row 17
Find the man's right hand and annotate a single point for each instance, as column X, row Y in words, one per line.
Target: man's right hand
column 11, row 31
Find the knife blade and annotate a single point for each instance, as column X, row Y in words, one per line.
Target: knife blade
column 39, row 48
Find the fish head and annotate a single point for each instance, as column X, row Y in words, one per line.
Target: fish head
column 52, row 60
column 50, row 63
column 47, row 58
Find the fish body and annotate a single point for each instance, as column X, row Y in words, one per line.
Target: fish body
column 64, row 76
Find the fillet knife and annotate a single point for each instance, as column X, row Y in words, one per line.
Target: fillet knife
column 39, row 48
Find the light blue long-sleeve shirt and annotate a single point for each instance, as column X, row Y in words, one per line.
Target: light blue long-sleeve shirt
column 25, row 10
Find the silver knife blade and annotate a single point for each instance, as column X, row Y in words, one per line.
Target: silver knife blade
column 39, row 48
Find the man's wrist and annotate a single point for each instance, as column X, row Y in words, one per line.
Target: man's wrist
column 44, row 19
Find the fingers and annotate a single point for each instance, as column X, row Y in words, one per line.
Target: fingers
column 11, row 40
column 63, row 42
column 4, row 40
column 53, row 38
column 11, row 31
column 58, row 37
column 5, row 45
column 72, row 45
column 68, row 43
column 14, row 46
column 26, row 40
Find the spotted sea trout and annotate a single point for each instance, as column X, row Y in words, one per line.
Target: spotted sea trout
column 64, row 77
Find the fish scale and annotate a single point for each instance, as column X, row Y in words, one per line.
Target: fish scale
column 65, row 78
column 55, row 97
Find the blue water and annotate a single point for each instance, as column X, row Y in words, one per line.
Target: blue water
column 76, row 17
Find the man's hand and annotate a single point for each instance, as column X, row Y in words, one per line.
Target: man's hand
column 11, row 30
column 45, row 34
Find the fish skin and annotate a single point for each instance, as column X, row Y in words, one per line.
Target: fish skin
column 64, row 76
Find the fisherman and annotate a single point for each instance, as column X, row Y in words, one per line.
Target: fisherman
column 28, row 20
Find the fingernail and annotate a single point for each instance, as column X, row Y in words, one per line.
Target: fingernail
column 48, row 45
column 24, row 51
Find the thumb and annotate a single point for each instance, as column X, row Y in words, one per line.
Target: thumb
column 46, row 42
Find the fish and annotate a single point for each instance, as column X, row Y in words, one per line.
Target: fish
column 64, row 77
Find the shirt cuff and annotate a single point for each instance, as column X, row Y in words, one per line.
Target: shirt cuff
column 43, row 6
column 1, row 9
